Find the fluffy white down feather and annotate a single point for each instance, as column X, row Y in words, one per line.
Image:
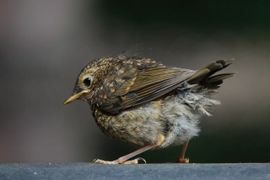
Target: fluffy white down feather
column 182, row 113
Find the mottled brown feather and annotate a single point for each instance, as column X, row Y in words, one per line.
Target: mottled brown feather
column 150, row 83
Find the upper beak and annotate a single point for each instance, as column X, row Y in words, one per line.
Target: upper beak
column 76, row 96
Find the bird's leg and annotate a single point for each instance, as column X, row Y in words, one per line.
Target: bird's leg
column 124, row 159
column 181, row 158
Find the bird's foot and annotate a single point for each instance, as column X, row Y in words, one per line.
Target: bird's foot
column 183, row 160
column 100, row 161
column 133, row 161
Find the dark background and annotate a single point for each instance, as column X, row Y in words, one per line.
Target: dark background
column 45, row 43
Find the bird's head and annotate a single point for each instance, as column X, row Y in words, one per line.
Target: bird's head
column 88, row 79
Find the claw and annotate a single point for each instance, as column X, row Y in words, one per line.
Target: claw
column 142, row 160
column 136, row 161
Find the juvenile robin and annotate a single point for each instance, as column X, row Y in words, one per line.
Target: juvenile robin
column 142, row 102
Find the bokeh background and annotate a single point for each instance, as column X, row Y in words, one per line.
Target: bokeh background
column 45, row 43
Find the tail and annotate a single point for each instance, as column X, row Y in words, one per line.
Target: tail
column 205, row 76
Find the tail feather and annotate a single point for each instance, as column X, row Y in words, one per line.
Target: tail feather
column 204, row 76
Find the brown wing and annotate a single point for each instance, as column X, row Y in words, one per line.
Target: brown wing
column 136, row 85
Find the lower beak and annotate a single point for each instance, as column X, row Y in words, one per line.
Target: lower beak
column 76, row 96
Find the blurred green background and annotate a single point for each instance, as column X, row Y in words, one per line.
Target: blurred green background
column 44, row 44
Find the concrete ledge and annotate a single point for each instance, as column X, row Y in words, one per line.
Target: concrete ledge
column 82, row 171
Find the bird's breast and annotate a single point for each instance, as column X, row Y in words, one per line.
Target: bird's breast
column 140, row 126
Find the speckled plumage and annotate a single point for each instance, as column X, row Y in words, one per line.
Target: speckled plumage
column 140, row 101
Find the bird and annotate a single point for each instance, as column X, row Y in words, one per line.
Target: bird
column 143, row 102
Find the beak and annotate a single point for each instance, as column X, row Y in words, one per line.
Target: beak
column 75, row 96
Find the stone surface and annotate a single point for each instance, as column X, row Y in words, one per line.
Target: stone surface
column 82, row 171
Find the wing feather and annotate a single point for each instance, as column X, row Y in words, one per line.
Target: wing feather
column 150, row 83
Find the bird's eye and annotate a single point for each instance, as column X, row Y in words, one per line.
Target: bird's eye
column 87, row 81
